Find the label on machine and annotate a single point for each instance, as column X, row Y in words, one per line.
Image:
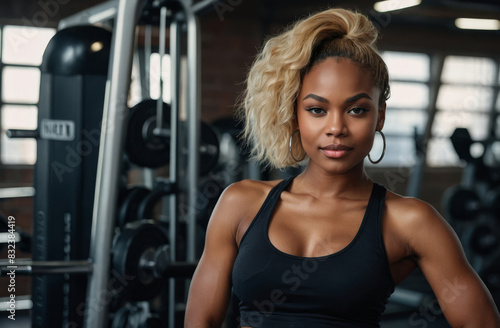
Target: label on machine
column 57, row 130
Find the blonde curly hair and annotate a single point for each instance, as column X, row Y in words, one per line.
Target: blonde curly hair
column 267, row 106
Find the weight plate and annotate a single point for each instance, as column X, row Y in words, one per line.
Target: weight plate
column 461, row 203
column 135, row 239
column 209, row 149
column 483, row 240
column 142, row 147
column 146, row 208
column 129, row 205
column 493, row 201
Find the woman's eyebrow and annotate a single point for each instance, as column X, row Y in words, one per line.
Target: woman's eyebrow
column 348, row 100
column 316, row 97
column 357, row 97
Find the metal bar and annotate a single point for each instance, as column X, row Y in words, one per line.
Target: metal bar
column 27, row 267
column 17, row 192
column 493, row 112
column 193, row 130
column 161, row 51
column 203, row 5
column 15, row 133
column 437, row 63
column 415, row 181
column 175, row 64
column 146, row 88
column 96, row 14
column 110, row 157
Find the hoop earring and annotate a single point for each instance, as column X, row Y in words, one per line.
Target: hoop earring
column 290, row 147
column 383, row 150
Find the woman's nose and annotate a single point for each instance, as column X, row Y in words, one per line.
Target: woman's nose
column 335, row 125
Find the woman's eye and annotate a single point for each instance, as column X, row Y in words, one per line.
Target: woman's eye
column 316, row 110
column 358, row 111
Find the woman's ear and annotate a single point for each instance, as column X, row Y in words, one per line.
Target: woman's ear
column 381, row 116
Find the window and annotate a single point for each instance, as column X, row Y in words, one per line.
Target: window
column 465, row 99
column 406, row 108
column 21, row 54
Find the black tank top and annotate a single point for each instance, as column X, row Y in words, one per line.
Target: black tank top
column 349, row 288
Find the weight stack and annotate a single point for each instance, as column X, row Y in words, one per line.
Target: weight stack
column 73, row 82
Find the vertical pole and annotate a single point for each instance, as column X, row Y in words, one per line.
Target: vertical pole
column 415, row 181
column 492, row 125
column 147, row 62
column 110, row 159
column 193, row 130
column 175, row 64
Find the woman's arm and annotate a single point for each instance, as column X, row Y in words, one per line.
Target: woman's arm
column 211, row 284
column 463, row 297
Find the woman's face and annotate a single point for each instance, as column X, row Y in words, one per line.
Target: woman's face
column 338, row 114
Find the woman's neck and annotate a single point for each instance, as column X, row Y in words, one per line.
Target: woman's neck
column 321, row 184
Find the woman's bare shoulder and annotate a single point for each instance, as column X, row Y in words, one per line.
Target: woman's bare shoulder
column 249, row 188
column 240, row 202
column 409, row 210
column 415, row 220
column 242, row 197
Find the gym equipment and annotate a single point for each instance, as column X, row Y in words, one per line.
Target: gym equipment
column 145, row 147
column 461, row 203
column 484, row 240
column 137, row 244
column 148, row 203
column 473, row 207
column 70, row 143
column 209, row 149
column 461, row 141
column 28, row 267
column 129, row 205
column 141, row 252
column 138, row 202
column 142, row 146
column 73, row 82
column 493, row 202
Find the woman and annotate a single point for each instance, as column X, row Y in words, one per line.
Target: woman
column 326, row 248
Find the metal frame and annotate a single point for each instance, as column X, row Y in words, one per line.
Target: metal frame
column 175, row 64
column 114, row 118
column 97, row 14
column 110, row 156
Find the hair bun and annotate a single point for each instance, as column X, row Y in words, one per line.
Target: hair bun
column 341, row 23
column 361, row 30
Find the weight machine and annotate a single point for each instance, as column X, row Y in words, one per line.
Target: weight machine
column 144, row 250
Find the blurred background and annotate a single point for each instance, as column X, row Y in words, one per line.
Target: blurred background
column 444, row 63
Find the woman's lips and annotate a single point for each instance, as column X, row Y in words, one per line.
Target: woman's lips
column 335, row 150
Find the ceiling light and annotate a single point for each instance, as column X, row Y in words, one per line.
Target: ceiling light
column 391, row 5
column 477, row 24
